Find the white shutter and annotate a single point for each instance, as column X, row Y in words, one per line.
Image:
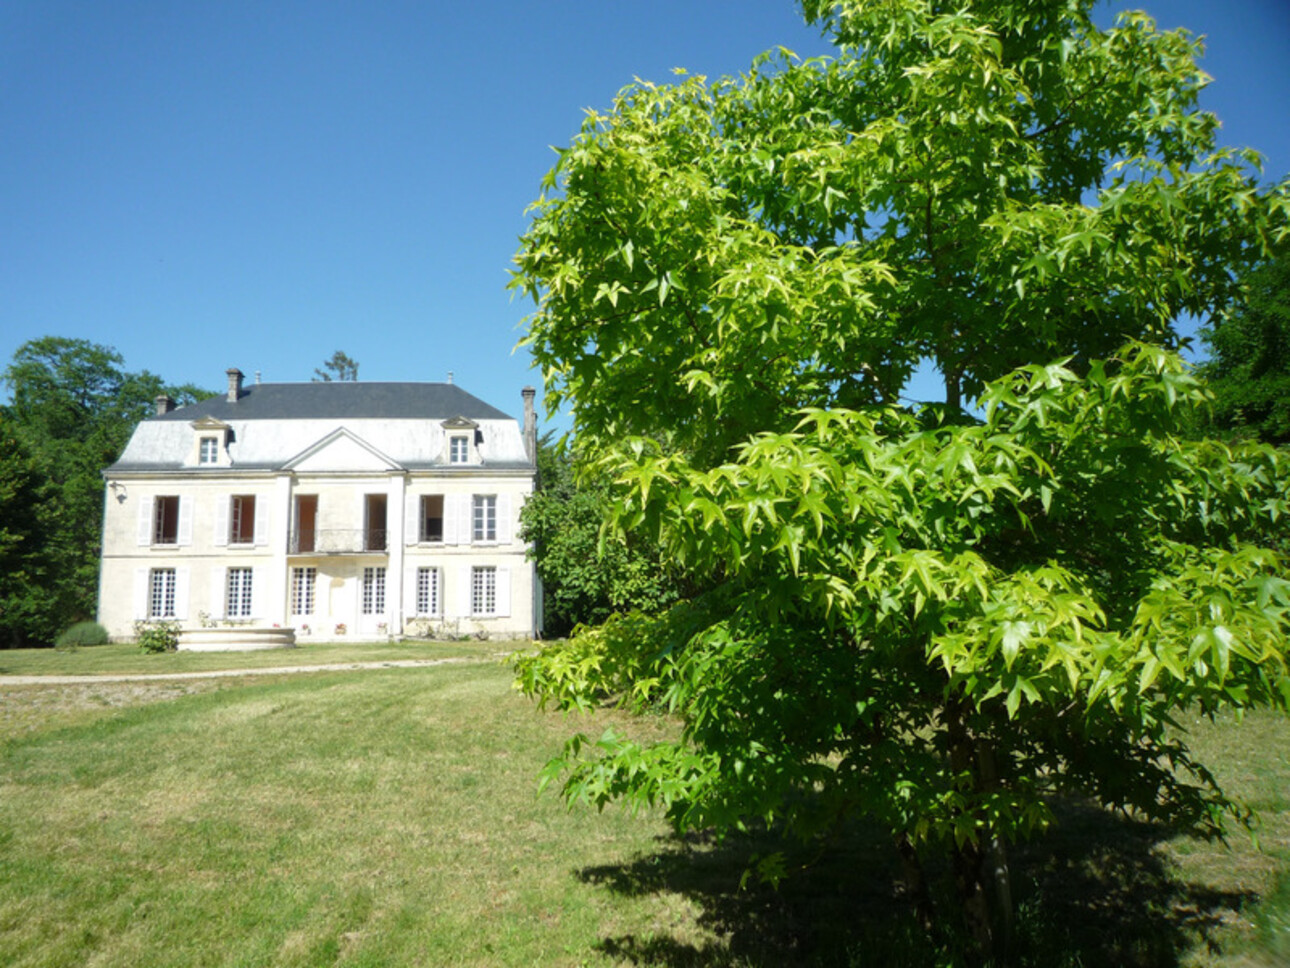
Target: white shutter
column 219, row 584
column 504, row 518
column 503, row 592
column 463, row 591
column 185, row 520
column 261, row 520
column 221, row 520
column 145, row 522
column 409, row 591
column 257, row 593
column 452, row 518
column 411, row 520
column 181, row 592
column 140, row 594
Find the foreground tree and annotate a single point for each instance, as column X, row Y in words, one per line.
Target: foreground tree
column 72, row 409
column 933, row 621
column 1249, row 370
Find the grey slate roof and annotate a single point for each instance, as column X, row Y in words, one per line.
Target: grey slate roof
column 272, row 424
column 341, row 400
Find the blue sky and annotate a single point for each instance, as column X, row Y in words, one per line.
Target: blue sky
column 212, row 184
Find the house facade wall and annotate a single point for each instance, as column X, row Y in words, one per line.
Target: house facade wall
column 334, row 542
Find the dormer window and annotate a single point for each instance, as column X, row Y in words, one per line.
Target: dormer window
column 459, row 449
column 460, row 438
column 210, row 437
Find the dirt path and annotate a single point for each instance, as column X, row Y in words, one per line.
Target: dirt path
column 221, row 673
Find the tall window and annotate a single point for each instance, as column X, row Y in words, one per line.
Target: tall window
column 165, row 520
column 483, row 590
column 239, row 593
column 484, row 518
column 374, row 591
column 458, row 450
column 302, row 590
column 431, row 517
column 161, row 593
column 241, row 524
column 209, row 453
column 427, row 591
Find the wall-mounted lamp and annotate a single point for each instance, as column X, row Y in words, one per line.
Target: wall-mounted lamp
column 118, row 491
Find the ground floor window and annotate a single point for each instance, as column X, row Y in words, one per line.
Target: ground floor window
column 483, row 590
column 303, row 581
column 374, row 591
column 427, row 591
column 239, row 593
column 161, row 593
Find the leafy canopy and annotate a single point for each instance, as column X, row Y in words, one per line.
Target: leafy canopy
column 72, row 409
column 1249, row 370
column 933, row 620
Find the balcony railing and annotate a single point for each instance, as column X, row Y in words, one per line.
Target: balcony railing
column 339, row 541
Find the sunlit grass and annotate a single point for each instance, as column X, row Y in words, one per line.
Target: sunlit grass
column 125, row 658
column 389, row 817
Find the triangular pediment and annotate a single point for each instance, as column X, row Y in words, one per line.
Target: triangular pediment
column 459, row 423
column 341, row 451
column 209, row 423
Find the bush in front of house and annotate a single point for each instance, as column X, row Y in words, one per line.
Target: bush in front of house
column 157, row 636
column 82, row 633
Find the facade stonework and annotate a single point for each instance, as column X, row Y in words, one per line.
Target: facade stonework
column 342, row 510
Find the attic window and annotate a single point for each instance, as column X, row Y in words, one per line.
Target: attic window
column 209, row 451
column 458, row 449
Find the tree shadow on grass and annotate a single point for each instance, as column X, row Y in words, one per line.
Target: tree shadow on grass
column 1095, row 894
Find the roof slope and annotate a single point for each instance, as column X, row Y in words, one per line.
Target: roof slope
column 341, row 400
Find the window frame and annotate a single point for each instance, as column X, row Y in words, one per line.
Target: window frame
column 459, row 449
column 428, row 598
column 241, row 526
column 165, row 526
column 207, row 450
column 163, row 584
column 483, row 518
column 373, row 590
column 238, row 585
column 483, row 591
column 304, row 584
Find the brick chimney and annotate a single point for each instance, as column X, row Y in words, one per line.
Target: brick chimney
column 234, row 384
column 164, row 404
column 530, row 424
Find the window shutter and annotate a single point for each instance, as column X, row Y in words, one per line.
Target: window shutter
column 181, row 591
column 221, row 521
column 185, row 520
column 504, row 518
column 257, row 591
column 503, row 592
column 261, row 521
column 411, row 521
column 409, row 591
column 219, row 586
column 145, row 522
column 463, row 591
column 140, row 594
column 456, row 509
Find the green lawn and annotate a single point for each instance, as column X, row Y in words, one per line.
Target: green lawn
column 389, row 817
column 125, row 658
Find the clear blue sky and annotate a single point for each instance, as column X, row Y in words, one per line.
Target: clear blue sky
column 212, row 184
